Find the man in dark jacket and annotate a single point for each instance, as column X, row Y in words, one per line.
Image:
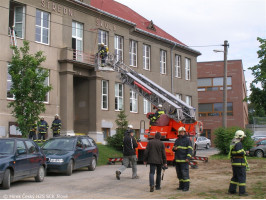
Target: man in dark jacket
column 183, row 152
column 155, row 156
column 129, row 153
column 56, row 126
column 43, row 128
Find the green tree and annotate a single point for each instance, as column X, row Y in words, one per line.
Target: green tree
column 116, row 141
column 224, row 136
column 258, row 85
column 28, row 86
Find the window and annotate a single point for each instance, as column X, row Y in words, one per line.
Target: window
column 213, row 84
column 163, row 62
column 214, row 109
column 177, row 66
column 206, row 133
column 17, row 18
column 188, row 69
column 21, row 146
column 42, row 27
column 104, row 94
column 119, row 47
column 146, row 57
column 9, row 85
column 179, row 96
column 47, row 83
column 189, row 100
column 31, row 147
column 147, row 106
column 77, row 41
column 85, row 142
column 103, row 37
column 133, row 101
column 133, row 46
column 119, row 96
column 106, row 133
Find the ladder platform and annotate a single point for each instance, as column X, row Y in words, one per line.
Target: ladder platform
column 105, row 69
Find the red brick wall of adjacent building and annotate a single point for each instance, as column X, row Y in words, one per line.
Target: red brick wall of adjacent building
column 235, row 95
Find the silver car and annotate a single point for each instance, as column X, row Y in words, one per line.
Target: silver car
column 202, row 142
column 260, row 149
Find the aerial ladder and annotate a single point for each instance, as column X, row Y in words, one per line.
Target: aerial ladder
column 177, row 112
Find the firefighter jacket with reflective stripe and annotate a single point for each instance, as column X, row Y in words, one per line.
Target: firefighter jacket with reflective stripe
column 56, row 125
column 157, row 114
column 238, row 155
column 33, row 127
column 43, row 126
column 184, row 149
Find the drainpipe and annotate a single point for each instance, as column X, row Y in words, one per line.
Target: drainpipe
column 172, row 69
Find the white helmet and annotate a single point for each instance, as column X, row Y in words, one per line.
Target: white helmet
column 240, row 134
column 130, row 126
column 57, row 115
column 181, row 129
column 160, row 106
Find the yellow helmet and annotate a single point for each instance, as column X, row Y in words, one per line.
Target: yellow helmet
column 240, row 134
column 181, row 129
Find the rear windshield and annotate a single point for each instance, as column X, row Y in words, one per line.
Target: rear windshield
column 59, row 144
column 6, row 146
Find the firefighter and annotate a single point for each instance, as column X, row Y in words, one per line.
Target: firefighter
column 56, row 126
column 239, row 164
column 43, row 128
column 103, row 53
column 157, row 114
column 183, row 152
column 33, row 128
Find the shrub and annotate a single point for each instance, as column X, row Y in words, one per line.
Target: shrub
column 223, row 138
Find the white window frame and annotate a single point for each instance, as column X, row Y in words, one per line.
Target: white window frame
column 119, row 89
column 189, row 100
column 188, row 69
column 133, row 101
column 43, row 28
column 163, row 57
column 9, row 81
column 119, row 47
column 78, row 36
column 178, row 96
column 20, row 22
column 103, row 37
column 105, row 94
column 146, row 57
column 178, row 71
column 146, row 106
column 133, row 53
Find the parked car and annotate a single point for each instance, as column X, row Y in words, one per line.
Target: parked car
column 258, row 137
column 202, row 142
column 65, row 154
column 260, row 148
column 19, row 159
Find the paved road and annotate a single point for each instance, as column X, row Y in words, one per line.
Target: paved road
column 99, row 184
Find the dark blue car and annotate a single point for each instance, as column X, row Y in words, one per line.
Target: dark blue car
column 19, row 159
column 65, row 154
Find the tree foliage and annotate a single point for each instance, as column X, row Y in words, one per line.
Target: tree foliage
column 28, row 86
column 258, row 85
column 116, row 141
column 223, row 138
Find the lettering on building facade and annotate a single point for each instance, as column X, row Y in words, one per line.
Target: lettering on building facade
column 56, row 7
column 105, row 25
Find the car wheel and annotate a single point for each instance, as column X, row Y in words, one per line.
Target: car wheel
column 69, row 168
column 207, row 146
column 92, row 167
column 6, row 179
column 259, row 154
column 40, row 175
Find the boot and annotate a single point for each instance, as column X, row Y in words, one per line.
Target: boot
column 181, row 186
column 151, row 188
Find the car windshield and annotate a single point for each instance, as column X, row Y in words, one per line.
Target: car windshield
column 6, row 146
column 59, row 144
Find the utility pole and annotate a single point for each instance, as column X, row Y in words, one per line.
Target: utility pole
column 225, row 85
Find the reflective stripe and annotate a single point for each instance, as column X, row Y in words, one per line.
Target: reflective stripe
column 242, row 184
column 190, row 147
column 233, row 182
column 188, row 155
column 187, row 180
column 239, row 164
column 181, row 147
column 180, row 160
column 237, row 183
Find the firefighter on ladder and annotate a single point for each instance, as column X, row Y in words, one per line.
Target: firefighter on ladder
column 183, row 152
column 103, row 51
column 157, row 114
column 239, row 165
column 56, row 126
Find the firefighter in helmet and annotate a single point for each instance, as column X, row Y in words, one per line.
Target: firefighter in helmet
column 157, row 114
column 33, row 129
column 56, row 126
column 239, row 164
column 103, row 51
column 183, row 152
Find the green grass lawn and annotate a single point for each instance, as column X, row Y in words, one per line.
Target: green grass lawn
column 106, row 152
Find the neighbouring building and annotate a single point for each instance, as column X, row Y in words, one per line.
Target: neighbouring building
column 69, row 31
column 210, row 93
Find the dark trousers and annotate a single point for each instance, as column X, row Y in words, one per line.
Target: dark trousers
column 41, row 136
column 182, row 171
column 32, row 135
column 238, row 179
column 158, row 169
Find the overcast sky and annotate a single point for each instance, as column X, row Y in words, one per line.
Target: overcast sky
column 210, row 22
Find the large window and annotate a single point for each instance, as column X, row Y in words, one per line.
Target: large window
column 133, row 101
column 213, row 84
column 178, row 96
column 146, row 57
column 17, row 18
column 77, row 41
column 42, row 27
column 119, row 96
column 163, row 62
column 104, row 94
column 147, row 106
column 9, row 85
column 46, row 83
column 214, row 109
column 189, row 100
column 133, row 46
column 102, row 37
column 188, row 69
column 119, row 47
column 177, row 66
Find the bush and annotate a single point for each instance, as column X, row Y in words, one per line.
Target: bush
column 224, row 137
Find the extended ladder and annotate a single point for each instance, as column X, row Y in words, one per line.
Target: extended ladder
column 155, row 94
